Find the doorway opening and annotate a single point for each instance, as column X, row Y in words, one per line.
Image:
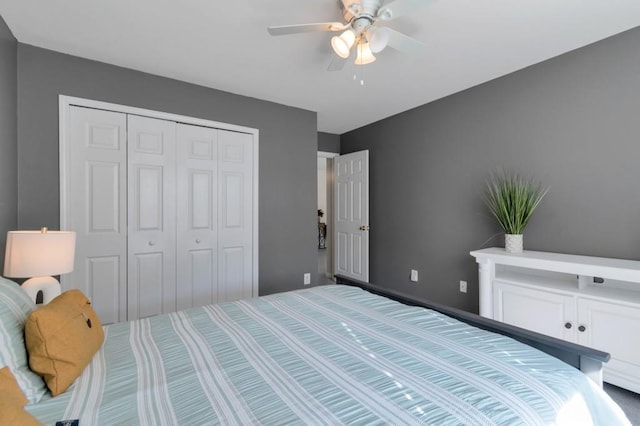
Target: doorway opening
column 325, row 217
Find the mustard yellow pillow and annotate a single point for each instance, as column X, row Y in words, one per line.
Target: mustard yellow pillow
column 61, row 339
column 12, row 414
column 9, row 388
column 13, row 401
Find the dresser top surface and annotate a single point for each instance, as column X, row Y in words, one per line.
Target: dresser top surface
column 581, row 265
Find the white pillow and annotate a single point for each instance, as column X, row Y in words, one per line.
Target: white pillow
column 15, row 307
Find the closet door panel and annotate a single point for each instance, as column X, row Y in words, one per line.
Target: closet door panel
column 149, row 269
column 236, row 215
column 104, row 276
column 148, row 183
column 202, row 280
column 197, row 224
column 232, row 287
column 152, row 215
column 104, row 184
column 94, row 196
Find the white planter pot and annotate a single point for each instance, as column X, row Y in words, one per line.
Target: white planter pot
column 513, row 243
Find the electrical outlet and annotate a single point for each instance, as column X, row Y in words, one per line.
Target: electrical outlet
column 414, row 275
column 463, row 286
column 307, row 278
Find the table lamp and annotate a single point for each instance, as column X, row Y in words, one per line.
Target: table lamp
column 38, row 255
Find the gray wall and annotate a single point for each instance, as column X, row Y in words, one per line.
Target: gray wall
column 288, row 147
column 8, row 135
column 328, row 142
column 573, row 122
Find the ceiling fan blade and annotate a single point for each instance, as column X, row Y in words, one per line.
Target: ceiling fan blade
column 404, row 43
column 306, row 28
column 337, row 63
column 398, row 8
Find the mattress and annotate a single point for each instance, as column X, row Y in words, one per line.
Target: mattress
column 326, row 355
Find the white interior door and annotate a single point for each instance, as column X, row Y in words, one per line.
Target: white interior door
column 151, row 277
column 197, row 247
column 93, row 190
column 351, row 206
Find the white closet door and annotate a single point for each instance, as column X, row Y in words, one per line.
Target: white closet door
column 235, row 162
column 152, row 217
column 161, row 224
column 94, row 196
column 197, row 224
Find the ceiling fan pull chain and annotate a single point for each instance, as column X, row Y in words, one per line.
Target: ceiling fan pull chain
column 361, row 66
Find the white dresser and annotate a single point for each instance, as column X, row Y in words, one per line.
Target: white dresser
column 592, row 301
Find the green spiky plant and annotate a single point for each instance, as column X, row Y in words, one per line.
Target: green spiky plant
column 512, row 199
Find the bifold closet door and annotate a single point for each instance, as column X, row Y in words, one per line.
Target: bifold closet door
column 151, row 279
column 163, row 213
column 215, row 216
column 197, row 224
column 94, row 193
column 235, row 201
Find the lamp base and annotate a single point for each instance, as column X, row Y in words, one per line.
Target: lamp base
column 49, row 286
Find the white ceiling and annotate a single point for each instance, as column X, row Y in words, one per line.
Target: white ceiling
column 225, row 45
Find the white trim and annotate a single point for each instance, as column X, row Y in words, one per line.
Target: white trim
column 65, row 102
column 89, row 103
column 330, row 181
column 63, row 137
column 326, row 154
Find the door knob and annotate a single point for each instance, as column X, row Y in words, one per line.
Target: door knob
column 152, row 243
column 582, row 328
column 364, row 228
column 568, row 325
column 197, row 240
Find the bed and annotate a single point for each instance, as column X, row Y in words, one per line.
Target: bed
column 333, row 354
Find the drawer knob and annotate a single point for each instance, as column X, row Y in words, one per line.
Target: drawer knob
column 582, row 328
column 568, row 325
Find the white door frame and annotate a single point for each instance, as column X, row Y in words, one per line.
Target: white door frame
column 65, row 103
column 330, row 209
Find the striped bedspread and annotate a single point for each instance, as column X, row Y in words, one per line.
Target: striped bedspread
column 325, row 355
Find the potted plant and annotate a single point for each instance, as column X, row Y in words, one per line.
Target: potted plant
column 512, row 199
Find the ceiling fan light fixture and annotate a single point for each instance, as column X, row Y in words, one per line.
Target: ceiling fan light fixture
column 342, row 44
column 365, row 56
column 378, row 39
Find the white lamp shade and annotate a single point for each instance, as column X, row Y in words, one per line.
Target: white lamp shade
column 364, row 54
column 37, row 253
column 378, row 39
column 342, row 44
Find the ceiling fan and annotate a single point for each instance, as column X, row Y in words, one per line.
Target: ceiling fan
column 362, row 29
